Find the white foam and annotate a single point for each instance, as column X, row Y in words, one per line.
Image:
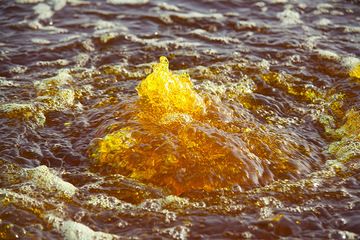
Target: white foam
column 162, row 43
column 324, row 6
column 104, row 38
column 244, row 85
column 289, row 17
column 102, row 24
column 327, row 54
column 264, row 64
column 260, row 4
column 78, row 2
column 302, row 5
column 61, row 79
column 53, row 29
column 245, row 24
column 58, row 62
column 132, row 2
column 323, row 22
column 81, row 59
column 7, row 83
column 169, row 7
column 177, row 232
column 178, row 201
column 43, row 11
column 206, row 35
column 27, row 111
column 36, row 25
column 16, row 107
column 43, row 178
column 21, row 199
column 194, row 14
column 18, row 69
column 352, row 29
column 72, row 230
column 336, row 13
column 40, row 41
column 57, row 4
column 53, row 94
column 278, row 1
column 350, row 62
column 108, row 202
column 28, row 1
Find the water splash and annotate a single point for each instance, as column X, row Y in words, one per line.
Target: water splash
column 181, row 140
column 167, row 96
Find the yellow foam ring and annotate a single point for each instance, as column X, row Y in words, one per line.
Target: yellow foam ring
column 163, row 92
column 355, row 71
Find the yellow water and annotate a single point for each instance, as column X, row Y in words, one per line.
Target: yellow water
column 246, row 128
column 180, row 142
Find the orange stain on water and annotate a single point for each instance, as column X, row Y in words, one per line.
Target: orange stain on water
column 176, row 144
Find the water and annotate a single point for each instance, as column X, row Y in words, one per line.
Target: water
column 274, row 153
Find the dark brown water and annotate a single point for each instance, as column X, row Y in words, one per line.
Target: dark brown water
column 276, row 155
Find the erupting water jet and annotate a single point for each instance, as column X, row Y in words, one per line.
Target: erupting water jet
column 177, row 139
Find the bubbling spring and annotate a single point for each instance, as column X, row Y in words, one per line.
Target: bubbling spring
column 182, row 140
column 150, row 119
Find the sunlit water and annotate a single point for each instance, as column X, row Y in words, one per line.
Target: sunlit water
column 254, row 132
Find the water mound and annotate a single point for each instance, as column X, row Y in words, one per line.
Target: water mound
column 182, row 140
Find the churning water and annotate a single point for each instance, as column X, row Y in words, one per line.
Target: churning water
column 249, row 127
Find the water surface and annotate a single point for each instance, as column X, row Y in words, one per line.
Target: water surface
column 281, row 83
